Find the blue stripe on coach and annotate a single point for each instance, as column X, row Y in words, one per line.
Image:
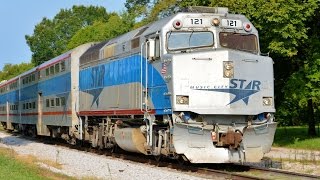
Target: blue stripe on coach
column 11, row 97
column 56, row 85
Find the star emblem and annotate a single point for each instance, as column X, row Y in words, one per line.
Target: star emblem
column 240, row 94
column 95, row 93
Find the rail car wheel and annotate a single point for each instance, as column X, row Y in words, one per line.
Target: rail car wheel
column 32, row 131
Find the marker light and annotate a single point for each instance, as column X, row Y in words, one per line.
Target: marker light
column 228, row 68
column 228, row 65
column 215, row 22
column 247, row 27
column 228, row 74
column 267, row 101
column 177, row 24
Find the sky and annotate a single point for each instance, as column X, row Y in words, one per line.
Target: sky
column 19, row 17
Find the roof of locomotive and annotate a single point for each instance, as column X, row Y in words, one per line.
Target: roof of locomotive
column 92, row 53
column 153, row 28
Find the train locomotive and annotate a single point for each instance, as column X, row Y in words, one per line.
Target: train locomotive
column 192, row 86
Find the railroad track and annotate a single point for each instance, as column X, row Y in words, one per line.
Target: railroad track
column 212, row 171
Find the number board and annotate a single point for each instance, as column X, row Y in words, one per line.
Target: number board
column 196, row 22
column 231, row 23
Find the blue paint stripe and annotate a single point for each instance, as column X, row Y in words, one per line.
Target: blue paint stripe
column 11, row 97
column 124, row 71
column 56, row 85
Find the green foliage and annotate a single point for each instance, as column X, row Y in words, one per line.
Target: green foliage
column 303, row 85
column 136, row 7
column 295, row 137
column 148, row 11
column 161, row 9
column 281, row 24
column 50, row 37
column 101, row 31
column 12, row 70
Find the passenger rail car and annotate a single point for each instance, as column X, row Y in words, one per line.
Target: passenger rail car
column 192, row 86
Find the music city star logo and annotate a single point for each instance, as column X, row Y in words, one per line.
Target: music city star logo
column 241, row 88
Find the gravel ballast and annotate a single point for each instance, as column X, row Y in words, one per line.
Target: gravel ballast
column 84, row 165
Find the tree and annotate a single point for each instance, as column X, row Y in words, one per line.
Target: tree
column 303, row 86
column 137, row 8
column 101, row 31
column 148, row 11
column 50, row 37
column 12, row 70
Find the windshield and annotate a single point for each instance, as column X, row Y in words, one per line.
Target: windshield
column 188, row 40
column 242, row 42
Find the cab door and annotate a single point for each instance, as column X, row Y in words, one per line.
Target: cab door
column 157, row 87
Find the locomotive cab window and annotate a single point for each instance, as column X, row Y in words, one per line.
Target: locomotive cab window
column 239, row 41
column 189, row 40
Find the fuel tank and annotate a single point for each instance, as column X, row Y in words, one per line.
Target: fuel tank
column 130, row 139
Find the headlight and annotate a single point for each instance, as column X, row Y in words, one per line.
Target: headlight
column 228, row 65
column 228, row 74
column 228, row 69
column 267, row 101
column 182, row 99
column 215, row 22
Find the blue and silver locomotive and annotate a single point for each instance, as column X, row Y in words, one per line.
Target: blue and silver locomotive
column 192, row 86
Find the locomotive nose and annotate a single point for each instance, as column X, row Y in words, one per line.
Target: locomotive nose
column 222, row 82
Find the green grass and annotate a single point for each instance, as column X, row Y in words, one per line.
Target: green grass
column 295, row 137
column 14, row 167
